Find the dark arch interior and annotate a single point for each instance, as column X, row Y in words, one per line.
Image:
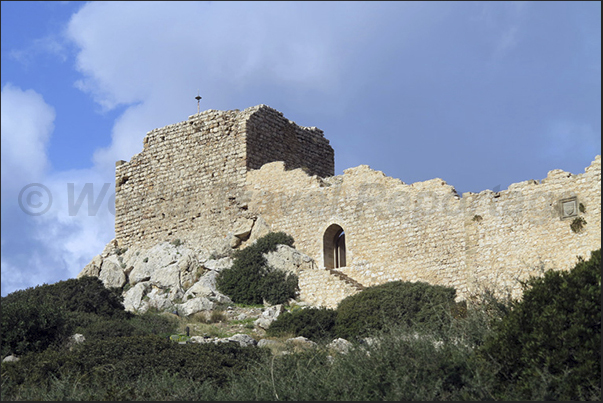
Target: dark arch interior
column 334, row 247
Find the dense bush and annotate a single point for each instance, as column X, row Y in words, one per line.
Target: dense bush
column 152, row 323
column 31, row 327
column 127, row 358
column 37, row 318
column 251, row 281
column 415, row 304
column 554, row 331
column 86, row 294
column 314, row 323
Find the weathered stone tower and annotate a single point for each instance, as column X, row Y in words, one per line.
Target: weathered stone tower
column 188, row 182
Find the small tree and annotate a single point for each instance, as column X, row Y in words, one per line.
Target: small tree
column 554, row 331
column 251, row 281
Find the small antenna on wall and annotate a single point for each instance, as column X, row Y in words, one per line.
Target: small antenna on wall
column 198, row 98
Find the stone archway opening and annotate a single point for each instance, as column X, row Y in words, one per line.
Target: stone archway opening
column 334, row 247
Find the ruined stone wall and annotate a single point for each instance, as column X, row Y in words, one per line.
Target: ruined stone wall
column 222, row 174
column 426, row 232
column 271, row 137
column 187, row 182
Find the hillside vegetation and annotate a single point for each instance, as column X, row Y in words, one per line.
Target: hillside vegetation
column 409, row 341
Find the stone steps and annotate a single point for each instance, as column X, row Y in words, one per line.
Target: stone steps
column 347, row 279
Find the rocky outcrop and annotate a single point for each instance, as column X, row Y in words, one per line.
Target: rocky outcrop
column 174, row 277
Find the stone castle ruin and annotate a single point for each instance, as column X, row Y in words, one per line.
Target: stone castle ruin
column 221, row 179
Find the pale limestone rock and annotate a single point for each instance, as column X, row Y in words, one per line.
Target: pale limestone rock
column 260, row 228
column 289, row 259
column 301, row 342
column 167, row 277
column 243, row 227
column 341, row 345
column 243, row 339
column 158, row 257
column 268, row 316
column 234, row 241
column 133, row 297
column 74, row 340
column 273, row 312
column 194, row 305
column 93, row 268
column 160, row 300
column 11, row 358
column 219, row 264
column 111, row 274
column 206, row 287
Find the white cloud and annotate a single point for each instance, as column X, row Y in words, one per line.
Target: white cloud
column 51, row 44
column 60, row 242
column 27, row 123
column 157, row 55
column 56, row 244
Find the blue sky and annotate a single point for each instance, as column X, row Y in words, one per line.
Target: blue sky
column 480, row 94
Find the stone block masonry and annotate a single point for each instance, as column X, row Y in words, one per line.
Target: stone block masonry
column 238, row 174
column 426, row 232
column 187, row 182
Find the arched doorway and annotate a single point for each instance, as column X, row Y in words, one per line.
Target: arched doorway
column 334, row 247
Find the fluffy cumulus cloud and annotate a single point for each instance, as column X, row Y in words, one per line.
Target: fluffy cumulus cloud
column 45, row 236
column 156, row 56
column 27, row 123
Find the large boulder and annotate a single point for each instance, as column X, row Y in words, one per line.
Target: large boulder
column 133, row 297
column 111, row 273
column 194, row 305
column 206, row 287
column 189, row 268
column 150, row 261
column 244, row 340
column 301, row 343
column 260, row 228
column 168, row 278
column 160, row 300
column 340, row 345
column 93, row 268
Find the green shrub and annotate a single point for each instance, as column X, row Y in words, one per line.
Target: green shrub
column 313, row 323
column 279, row 287
column 43, row 316
column 103, row 329
column 86, row 294
column 98, row 362
column 32, row 327
column 554, row 330
column 415, row 304
column 251, row 281
column 152, row 323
